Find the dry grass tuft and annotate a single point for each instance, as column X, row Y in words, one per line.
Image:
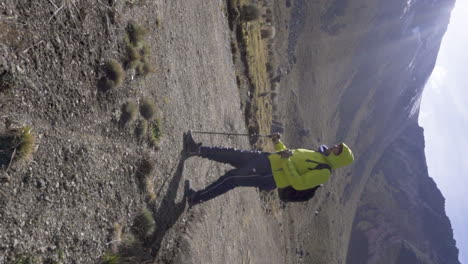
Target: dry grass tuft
column 129, row 113
column 148, row 108
column 16, row 145
column 145, row 168
column 115, row 72
column 27, row 142
column 133, row 56
column 136, row 33
column 250, row 13
column 150, row 186
column 8, row 81
column 144, row 224
column 266, row 32
column 141, row 129
column 138, row 50
column 116, row 237
column 143, row 68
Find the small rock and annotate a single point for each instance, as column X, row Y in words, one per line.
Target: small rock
column 40, row 184
column 5, row 179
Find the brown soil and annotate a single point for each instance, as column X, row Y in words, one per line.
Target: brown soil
column 61, row 204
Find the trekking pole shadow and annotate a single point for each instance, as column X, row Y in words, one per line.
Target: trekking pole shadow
column 169, row 211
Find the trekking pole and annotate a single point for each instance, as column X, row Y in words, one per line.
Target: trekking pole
column 228, row 134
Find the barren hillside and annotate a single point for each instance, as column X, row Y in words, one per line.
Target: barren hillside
column 107, row 88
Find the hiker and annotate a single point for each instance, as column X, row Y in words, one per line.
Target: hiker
column 296, row 169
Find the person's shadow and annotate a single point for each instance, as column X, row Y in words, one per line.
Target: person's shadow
column 169, row 211
column 145, row 250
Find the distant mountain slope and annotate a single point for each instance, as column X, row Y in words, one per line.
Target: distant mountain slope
column 401, row 216
column 358, row 72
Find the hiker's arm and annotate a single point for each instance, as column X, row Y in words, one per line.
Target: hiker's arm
column 307, row 180
column 279, row 146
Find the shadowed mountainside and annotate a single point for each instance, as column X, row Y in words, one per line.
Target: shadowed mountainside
column 401, row 216
column 358, row 73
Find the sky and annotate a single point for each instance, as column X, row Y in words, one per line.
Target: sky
column 444, row 117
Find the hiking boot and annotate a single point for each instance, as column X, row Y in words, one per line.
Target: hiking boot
column 191, row 147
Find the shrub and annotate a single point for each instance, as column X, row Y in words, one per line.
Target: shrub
column 16, row 144
column 266, row 32
column 116, row 237
column 133, row 56
column 138, row 59
column 141, row 129
column 110, row 258
column 250, row 13
column 136, row 33
column 145, row 51
column 104, row 84
column 144, row 68
column 148, row 108
column 26, row 143
column 132, row 251
column 144, row 224
column 8, row 81
column 145, row 168
column 155, row 133
column 115, row 72
column 27, row 259
column 129, row 113
column 149, row 184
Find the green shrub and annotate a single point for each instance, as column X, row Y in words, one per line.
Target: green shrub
column 148, row 108
column 110, row 258
column 155, row 133
column 250, row 13
column 129, row 113
column 144, row 224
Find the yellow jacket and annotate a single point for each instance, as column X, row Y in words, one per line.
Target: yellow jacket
column 305, row 168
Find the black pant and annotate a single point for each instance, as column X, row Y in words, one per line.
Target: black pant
column 252, row 169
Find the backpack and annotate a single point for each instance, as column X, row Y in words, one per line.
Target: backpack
column 289, row 194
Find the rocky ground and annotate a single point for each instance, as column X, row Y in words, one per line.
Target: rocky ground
column 62, row 204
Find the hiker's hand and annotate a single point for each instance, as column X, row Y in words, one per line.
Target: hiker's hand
column 285, row 154
column 275, row 137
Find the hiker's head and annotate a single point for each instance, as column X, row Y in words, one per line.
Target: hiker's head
column 339, row 155
column 335, row 149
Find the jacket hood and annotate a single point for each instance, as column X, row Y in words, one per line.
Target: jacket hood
column 345, row 158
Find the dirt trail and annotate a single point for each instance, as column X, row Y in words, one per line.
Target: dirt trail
column 63, row 204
